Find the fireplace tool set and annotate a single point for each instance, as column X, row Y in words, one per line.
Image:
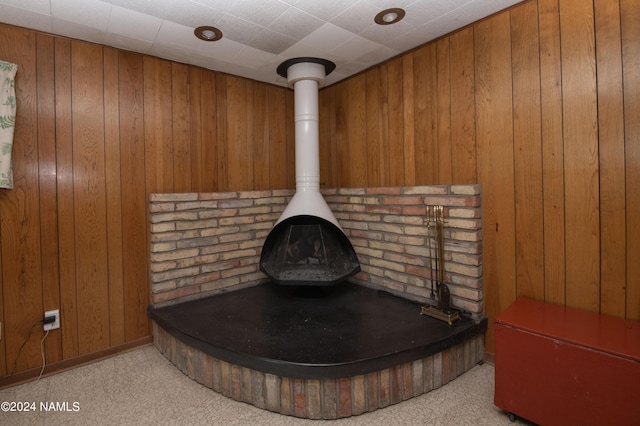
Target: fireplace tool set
column 435, row 233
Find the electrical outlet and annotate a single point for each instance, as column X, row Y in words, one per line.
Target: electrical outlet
column 56, row 323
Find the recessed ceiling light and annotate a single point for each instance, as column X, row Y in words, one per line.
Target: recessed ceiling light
column 389, row 16
column 208, row 33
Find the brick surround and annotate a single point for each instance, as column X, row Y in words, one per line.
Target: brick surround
column 207, row 243
column 322, row 398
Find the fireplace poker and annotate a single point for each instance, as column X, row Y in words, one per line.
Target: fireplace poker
column 440, row 233
column 433, row 295
column 435, row 249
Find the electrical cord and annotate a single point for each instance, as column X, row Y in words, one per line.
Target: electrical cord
column 44, row 362
column 15, row 362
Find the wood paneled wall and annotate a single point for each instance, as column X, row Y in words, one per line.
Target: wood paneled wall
column 98, row 129
column 541, row 105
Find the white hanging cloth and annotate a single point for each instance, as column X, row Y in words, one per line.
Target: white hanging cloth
column 7, row 120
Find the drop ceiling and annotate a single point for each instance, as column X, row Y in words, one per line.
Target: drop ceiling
column 257, row 34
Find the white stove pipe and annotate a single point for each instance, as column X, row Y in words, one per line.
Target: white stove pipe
column 306, row 78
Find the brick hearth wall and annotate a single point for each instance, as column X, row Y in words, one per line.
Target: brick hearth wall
column 207, row 243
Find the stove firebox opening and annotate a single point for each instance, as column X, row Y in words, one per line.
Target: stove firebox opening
column 308, row 250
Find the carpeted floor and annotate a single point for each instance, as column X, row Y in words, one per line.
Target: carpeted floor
column 142, row 388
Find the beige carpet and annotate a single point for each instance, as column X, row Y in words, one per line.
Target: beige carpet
column 142, row 388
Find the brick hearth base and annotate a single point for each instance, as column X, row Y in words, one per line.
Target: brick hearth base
column 321, row 398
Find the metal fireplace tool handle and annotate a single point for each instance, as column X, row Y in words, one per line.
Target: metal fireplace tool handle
column 443, row 310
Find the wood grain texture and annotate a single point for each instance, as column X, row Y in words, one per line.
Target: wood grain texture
column 289, row 165
column 580, row 133
column 209, row 128
column 395, row 135
column 630, row 34
column 134, row 194
column 494, row 132
column 278, row 137
column 87, row 103
column 66, row 208
column 443, row 165
column 47, row 186
column 113, row 188
column 342, row 133
column 99, row 129
column 375, row 163
column 328, row 158
column 463, row 130
column 426, row 114
column 19, row 214
column 181, row 127
column 196, row 163
column 385, row 163
column 158, row 137
column 552, row 151
column 260, row 137
column 611, row 155
column 408, row 132
column 356, row 119
column 527, row 148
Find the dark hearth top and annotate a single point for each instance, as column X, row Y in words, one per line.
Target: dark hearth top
column 352, row 330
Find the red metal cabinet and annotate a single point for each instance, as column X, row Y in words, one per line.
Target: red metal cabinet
column 557, row 365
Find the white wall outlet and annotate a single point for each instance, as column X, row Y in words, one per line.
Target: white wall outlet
column 55, row 324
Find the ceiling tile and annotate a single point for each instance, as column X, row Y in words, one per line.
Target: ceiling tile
column 457, row 18
column 88, row 13
column 130, row 23
column 301, row 49
column 383, row 33
column 193, row 14
column 262, row 12
column 272, row 42
column 485, row 7
column 421, row 12
column 78, row 31
column 127, row 43
column 379, row 54
column 324, row 10
column 221, row 5
column 236, row 29
column 157, row 8
column 357, row 18
column 355, row 47
column 295, row 24
column 461, row 2
column 172, row 34
column 25, row 18
column 335, row 77
column 326, row 37
column 403, row 4
column 254, row 58
column 222, row 49
column 41, row 7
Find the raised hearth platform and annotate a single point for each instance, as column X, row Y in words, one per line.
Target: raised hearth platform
column 291, row 350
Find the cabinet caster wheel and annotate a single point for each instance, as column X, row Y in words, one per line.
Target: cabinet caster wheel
column 512, row 417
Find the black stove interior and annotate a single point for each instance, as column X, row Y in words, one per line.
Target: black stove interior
column 308, row 250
